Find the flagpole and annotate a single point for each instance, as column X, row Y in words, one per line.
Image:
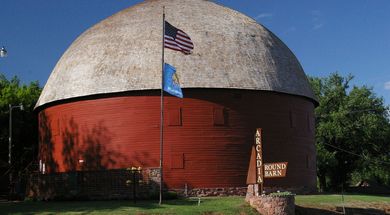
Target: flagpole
column 162, row 112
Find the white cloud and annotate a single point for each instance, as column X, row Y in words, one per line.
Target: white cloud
column 387, row 85
column 316, row 20
column 315, row 13
column 317, row 26
column 290, row 29
column 263, row 15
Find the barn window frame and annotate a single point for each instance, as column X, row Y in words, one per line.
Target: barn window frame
column 220, row 116
column 175, row 117
column 177, row 161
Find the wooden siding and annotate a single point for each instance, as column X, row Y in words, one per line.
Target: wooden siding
column 207, row 139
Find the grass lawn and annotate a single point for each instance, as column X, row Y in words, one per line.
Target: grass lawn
column 226, row 205
column 337, row 199
column 321, row 204
column 306, row 204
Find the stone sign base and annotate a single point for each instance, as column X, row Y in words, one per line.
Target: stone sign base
column 271, row 204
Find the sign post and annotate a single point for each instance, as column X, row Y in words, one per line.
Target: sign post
column 259, row 161
column 258, row 170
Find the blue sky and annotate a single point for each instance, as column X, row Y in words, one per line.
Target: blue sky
column 326, row 36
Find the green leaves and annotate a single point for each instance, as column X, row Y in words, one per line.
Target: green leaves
column 355, row 120
column 12, row 92
column 24, row 123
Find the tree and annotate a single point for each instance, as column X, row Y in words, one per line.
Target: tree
column 25, row 133
column 352, row 133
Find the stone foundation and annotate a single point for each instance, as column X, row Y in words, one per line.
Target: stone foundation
column 219, row 191
column 91, row 185
column 114, row 184
column 236, row 191
column 110, row 185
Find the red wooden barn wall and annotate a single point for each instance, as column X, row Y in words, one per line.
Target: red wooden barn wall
column 208, row 135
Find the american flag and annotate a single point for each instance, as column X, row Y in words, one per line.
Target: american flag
column 177, row 39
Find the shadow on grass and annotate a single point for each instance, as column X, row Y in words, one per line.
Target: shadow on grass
column 362, row 211
column 350, row 194
column 299, row 210
column 367, row 194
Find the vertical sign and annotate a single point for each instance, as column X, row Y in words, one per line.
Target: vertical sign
column 259, row 159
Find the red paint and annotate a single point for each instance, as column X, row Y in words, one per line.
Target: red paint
column 208, row 135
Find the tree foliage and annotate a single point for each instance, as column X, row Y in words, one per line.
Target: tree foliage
column 24, row 123
column 352, row 133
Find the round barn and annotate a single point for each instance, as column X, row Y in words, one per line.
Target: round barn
column 100, row 108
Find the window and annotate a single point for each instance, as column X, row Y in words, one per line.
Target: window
column 174, row 117
column 177, row 161
column 219, row 116
column 308, row 161
column 293, row 119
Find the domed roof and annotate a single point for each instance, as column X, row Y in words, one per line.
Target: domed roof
column 123, row 53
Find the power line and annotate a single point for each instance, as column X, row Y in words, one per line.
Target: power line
column 352, row 153
column 357, row 111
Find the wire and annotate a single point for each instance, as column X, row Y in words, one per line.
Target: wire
column 356, row 111
column 352, row 153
